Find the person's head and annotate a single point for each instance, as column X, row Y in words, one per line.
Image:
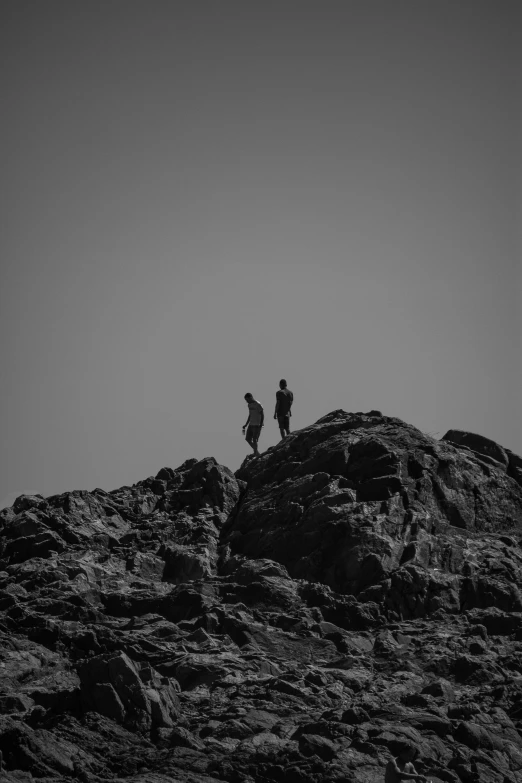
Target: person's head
column 282, row 383
column 249, row 397
column 408, row 752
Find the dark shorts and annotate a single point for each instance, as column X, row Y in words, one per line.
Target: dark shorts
column 284, row 422
column 253, row 432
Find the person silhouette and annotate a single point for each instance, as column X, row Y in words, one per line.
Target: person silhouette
column 254, row 423
column 284, row 400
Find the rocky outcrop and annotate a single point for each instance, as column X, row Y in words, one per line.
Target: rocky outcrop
column 353, row 589
column 490, row 452
column 370, row 506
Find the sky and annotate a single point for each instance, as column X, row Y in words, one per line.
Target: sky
column 200, row 198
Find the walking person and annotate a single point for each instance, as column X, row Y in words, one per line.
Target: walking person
column 284, row 400
column 256, row 418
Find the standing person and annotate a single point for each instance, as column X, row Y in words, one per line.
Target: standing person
column 284, row 400
column 256, row 418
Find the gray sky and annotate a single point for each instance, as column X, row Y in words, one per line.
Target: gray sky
column 200, row 198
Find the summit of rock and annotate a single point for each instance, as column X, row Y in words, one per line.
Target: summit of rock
column 355, row 588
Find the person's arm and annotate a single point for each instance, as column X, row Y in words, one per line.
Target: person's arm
column 414, row 775
column 246, row 425
column 277, row 405
column 262, row 415
column 406, row 775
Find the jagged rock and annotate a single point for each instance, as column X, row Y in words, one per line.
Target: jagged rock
column 495, row 454
column 440, row 688
column 356, row 588
column 312, row 744
column 112, row 685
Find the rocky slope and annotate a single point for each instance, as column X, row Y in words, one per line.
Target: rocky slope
column 355, row 588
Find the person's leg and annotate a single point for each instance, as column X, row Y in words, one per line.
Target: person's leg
column 249, row 437
column 255, row 437
column 284, row 426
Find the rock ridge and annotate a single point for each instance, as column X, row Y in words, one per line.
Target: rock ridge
column 354, row 589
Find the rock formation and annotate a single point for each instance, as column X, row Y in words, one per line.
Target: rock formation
column 354, row 589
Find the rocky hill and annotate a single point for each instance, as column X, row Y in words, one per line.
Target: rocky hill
column 354, row 590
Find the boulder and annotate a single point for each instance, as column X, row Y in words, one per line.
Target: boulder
column 367, row 495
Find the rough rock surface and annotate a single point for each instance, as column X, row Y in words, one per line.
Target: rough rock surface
column 355, row 588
